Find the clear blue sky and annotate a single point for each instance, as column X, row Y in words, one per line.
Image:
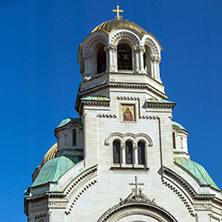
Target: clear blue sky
column 39, row 77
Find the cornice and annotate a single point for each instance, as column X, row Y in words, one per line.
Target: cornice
column 189, row 188
column 112, row 85
column 160, row 105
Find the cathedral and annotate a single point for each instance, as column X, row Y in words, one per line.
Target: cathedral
column 124, row 159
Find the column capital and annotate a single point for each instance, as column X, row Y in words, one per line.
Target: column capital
column 110, row 47
column 156, row 59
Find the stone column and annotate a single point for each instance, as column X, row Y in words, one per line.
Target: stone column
column 135, row 154
column 136, row 62
column 123, row 155
column 146, row 155
column 142, row 51
column 155, row 67
column 111, row 58
column 107, row 58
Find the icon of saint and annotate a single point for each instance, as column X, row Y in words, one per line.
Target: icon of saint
column 127, row 115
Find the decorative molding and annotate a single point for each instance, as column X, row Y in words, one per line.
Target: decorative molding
column 133, row 136
column 106, row 116
column 148, row 117
column 80, row 184
column 84, row 188
column 122, row 86
column 71, row 125
column 181, row 195
column 127, row 98
column 79, row 178
column 215, row 217
column 57, row 204
column 127, row 209
column 95, row 103
column 178, row 130
column 126, row 36
column 186, row 186
column 93, row 41
column 152, row 45
column 38, row 216
column 160, row 105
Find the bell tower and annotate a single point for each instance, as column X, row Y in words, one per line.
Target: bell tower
column 121, row 86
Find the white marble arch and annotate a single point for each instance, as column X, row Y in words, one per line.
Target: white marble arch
column 137, row 212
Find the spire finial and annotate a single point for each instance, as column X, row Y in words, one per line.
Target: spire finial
column 118, row 11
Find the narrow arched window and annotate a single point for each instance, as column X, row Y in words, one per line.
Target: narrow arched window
column 116, row 151
column 74, row 137
column 124, row 54
column 174, row 140
column 129, row 152
column 141, row 153
column 101, row 60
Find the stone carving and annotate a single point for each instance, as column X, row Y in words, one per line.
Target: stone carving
column 154, row 50
column 133, row 137
column 93, row 42
column 148, row 117
column 37, row 216
column 106, row 116
column 79, row 194
column 127, row 98
column 136, row 195
column 125, row 35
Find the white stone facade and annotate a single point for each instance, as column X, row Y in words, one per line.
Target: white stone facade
column 97, row 189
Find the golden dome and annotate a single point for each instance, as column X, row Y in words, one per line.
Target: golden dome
column 51, row 154
column 111, row 25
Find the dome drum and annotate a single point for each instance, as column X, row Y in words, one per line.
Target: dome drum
column 102, row 50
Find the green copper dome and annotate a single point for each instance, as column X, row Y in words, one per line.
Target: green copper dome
column 53, row 170
column 197, row 171
column 178, row 125
column 68, row 121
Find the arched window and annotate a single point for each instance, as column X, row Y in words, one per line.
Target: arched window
column 101, row 60
column 124, row 54
column 116, row 151
column 129, row 152
column 141, row 153
column 174, row 140
column 74, row 137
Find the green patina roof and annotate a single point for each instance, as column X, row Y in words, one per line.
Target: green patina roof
column 151, row 100
column 178, row 125
column 69, row 120
column 53, row 170
column 197, row 171
column 96, row 98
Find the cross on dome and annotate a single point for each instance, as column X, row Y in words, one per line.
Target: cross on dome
column 118, row 11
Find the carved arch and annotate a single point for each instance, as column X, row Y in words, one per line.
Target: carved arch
column 141, row 136
column 124, row 35
column 125, row 136
column 152, row 46
column 93, row 42
column 120, row 211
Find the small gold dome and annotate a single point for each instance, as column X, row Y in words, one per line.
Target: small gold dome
column 51, row 154
column 119, row 23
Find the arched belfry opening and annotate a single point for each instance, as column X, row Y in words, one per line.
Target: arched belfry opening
column 101, row 60
column 147, row 61
column 124, row 55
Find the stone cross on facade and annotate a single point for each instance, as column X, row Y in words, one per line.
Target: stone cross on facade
column 118, row 11
column 136, row 185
